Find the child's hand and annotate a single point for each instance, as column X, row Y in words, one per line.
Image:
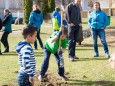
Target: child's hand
column 59, row 33
column 71, row 24
column 63, row 50
column 31, row 79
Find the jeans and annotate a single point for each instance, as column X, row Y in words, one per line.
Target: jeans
column 23, row 79
column 39, row 39
column 72, row 38
column 101, row 34
column 45, row 63
column 4, row 40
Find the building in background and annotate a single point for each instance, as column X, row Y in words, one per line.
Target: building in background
column 14, row 6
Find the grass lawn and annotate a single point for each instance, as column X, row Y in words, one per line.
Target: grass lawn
column 87, row 71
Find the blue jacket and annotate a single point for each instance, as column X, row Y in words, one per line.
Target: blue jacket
column 98, row 19
column 7, row 23
column 36, row 19
column 26, row 59
column 57, row 15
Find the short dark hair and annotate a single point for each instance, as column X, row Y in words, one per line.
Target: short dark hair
column 28, row 30
column 57, row 9
column 64, row 30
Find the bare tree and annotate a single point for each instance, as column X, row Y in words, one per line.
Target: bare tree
column 90, row 4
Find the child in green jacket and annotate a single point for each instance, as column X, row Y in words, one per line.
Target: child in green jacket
column 55, row 45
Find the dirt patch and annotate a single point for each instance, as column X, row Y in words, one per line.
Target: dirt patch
column 51, row 80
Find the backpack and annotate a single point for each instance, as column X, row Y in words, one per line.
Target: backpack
column 1, row 24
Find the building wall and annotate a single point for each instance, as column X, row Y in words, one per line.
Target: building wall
column 103, row 3
column 13, row 5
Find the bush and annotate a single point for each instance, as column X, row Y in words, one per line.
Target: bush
column 51, row 5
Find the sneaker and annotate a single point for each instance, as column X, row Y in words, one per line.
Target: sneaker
column 35, row 48
column 64, row 78
column 42, row 47
column 96, row 54
column 71, row 59
column 75, row 57
column 40, row 78
column 107, row 55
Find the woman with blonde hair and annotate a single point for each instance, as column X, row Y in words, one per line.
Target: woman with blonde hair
column 36, row 19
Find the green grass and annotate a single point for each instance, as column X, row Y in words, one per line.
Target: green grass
column 87, row 71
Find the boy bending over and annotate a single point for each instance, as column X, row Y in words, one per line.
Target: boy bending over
column 57, row 41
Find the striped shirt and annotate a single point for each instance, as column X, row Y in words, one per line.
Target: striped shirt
column 27, row 60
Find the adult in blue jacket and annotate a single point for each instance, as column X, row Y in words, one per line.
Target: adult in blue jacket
column 98, row 21
column 6, row 29
column 36, row 19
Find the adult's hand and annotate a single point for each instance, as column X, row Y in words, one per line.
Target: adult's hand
column 80, row 24
column 71, row 24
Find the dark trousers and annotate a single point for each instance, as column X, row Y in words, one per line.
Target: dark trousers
column 72, row 37
column 23, row 79
column 39, row 39
column 45, row 63
column 4, row 40
column 101, row 34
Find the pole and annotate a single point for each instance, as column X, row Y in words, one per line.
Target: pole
column 0, row 48
column 18, row 14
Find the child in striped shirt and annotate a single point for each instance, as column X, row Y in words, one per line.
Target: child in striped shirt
column 26, row 60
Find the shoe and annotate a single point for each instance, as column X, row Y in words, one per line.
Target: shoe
column 96, row 54
column 40, row 78
column 107, row 55
column 71, row 59
column 75, row 57
column 35, row 48
column 0, row 53
column 64, row 78
column 79, row 43
column 42, row 47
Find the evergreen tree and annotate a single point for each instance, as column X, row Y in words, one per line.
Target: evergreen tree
column 27, row 8
column 45, row 7
column 51, row 5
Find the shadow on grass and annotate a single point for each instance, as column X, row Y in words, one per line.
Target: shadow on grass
column 91, row 45
column 15, row 54
column 91, row 83
column 12, row 53
column 45, row 33
column 83, row 49
column 38, row 53
column 89, row 59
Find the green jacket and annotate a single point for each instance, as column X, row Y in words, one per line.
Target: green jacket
column 7, row 26
column 53, row 47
